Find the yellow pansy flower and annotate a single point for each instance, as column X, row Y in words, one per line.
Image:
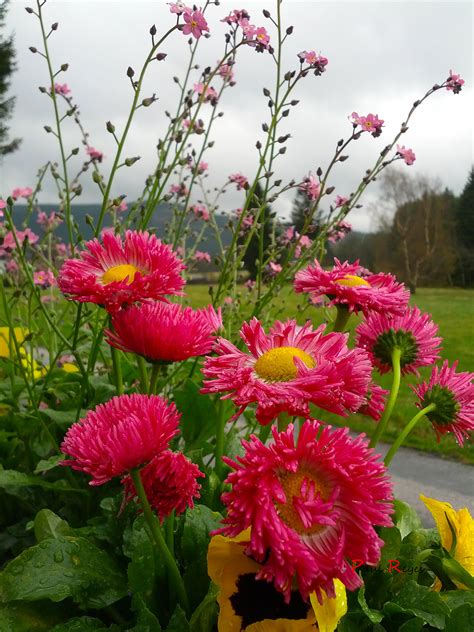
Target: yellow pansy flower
column 6, row 340
column 69, row 367
column 250, row 605
column 462, row 525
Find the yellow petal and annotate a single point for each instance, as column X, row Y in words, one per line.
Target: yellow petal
column 69, row 367
column 441, row 511
column 331, row 610
column 281, row 625
column 6, row 339
column 464, row 553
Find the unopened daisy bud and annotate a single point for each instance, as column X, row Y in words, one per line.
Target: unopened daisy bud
column 42, row 89
column 294, row 102
column 342, row 158
column 96, row 177
column 285, row 113
column 266, row 92
column 289, row 30
column 110, row 127
column 75, row 151
column 266, row 13
column 33, row 49
column 29, row 10
column 130, row 161
column 161, row 56
column 148, row 101
column 64, row 67
column 47, row 129
column 153, row 30
column 89, row 220
column 329, row 190
column 319, row 172
column 130, row 72
column 54, row 27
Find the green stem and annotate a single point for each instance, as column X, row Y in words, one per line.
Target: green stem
column 143, row 373
column 382, row 425
column 220, row 435
column 405, row 432
column 117, row 370
column 155, row 374
column 169, row 532
column 283, row 421
column 342, row 317
column 157, row 535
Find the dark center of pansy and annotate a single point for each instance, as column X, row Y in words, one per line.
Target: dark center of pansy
column 446, row 405
column 257, row 600
column 386, row 343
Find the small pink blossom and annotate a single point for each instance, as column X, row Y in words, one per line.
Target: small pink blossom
column 94, row 154
column 341, row 201
column 3, row 205
column 407, row 154
column 226, row 72
column 63, row 250
column 208, row 93
column 62, row 88
column 9, row 242
column 339, row 231
column 200, row 211
column 25, row 192
column 196, row 127
column 236, row 17
column 195, row 24
column 262, row 37
column 228, row 300
column 311, row 187
column 200, row 167
column 246, row 223
column 240, row 180
column 179, row 7
column 274, row 268
column 370, row 123
column 48, row 222
column 454, row 83
column 250, row 284
column 318, row 62
column 122, row 207
column 179, row 189
column 44, row 278
column 12, row 266
column 199, row 255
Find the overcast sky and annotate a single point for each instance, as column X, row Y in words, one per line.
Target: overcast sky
column 382, row 56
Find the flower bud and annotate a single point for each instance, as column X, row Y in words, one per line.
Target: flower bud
column 75, row 151
column 96, row 177
column 289, row 30
column 329, row 190
column 33, row 49
column 266, row 13
column 285, row 113
column 161, row 56
column 153, row 30
column 130, row 161
column 54, row 27
column 47, row 129
column 319, row 172
column 110, row 127
column 148, row 101
column 42, row 89
column 64, row 67
column 266, row 92
column 130, row 72
column 29, row 10
column 343, row 158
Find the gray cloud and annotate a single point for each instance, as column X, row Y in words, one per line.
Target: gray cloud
column 382, row 56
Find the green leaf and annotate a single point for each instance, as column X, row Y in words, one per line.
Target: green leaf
column 81, row 624
column 204, row 617
column 461, row 619
column 199, row 522
column 420, row 601
column 178, row 621
column 199, row 415
column 413, row 625
column 48, row 464
column 374, row 615
column 28, row 617
column 146, row 620
column 62, row 418
column 455, row 598
column 405, row 519
column 391, row 549
column 11, row 480
column 49, row 525
column 60, row 568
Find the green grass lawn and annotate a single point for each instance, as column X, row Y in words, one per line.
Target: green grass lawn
column 452, row 309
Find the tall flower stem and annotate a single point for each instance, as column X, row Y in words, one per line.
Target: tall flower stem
column 382, row 425
column 342, row 318
column 117, row 370
column 175, row 578
column 143, row 373
column 155, row 374
column 283, row 421
column 220, row 432
column 405, row 432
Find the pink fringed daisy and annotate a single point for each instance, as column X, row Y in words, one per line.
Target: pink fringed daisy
column 116, row 437
column 311, row 507
column 374, row 403
column 413, row 333
column 113, row 272
column 287, row 369
column 164, row 332
column 453, row 396
column 170, row 482
column 346, row 284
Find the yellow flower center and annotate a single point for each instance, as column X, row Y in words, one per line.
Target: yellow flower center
column 351, row 280
column 277, row 365
column 120, row 273
column 302, row 484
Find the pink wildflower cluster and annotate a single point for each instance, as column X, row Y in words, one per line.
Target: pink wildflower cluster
column 246, row 222
column 407, row 154
column 200, row 168
column 311, row 187
column 194, row 21
column 290, row 235
column 273, row 269
column 225, row 71
column 199, row 255
column 454, row 83
column 318, row 62
column 48, row 222
column 339, row 231
column 254, row 35
column 370, row 123
column 200, row 212
column 208, row 93
column 240, row 181
column 25, row 192
column 22, row 236
column 94, row 154
column 340, row 201
column 196, row 127
column 44, row 279
column 3, row 205
column 180, row 190
column 62, row 89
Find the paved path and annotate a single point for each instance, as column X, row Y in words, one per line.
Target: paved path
column 415, row 473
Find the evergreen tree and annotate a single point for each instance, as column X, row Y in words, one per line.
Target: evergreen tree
column 7, row 66
column 465, row 234
column 251, row 257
